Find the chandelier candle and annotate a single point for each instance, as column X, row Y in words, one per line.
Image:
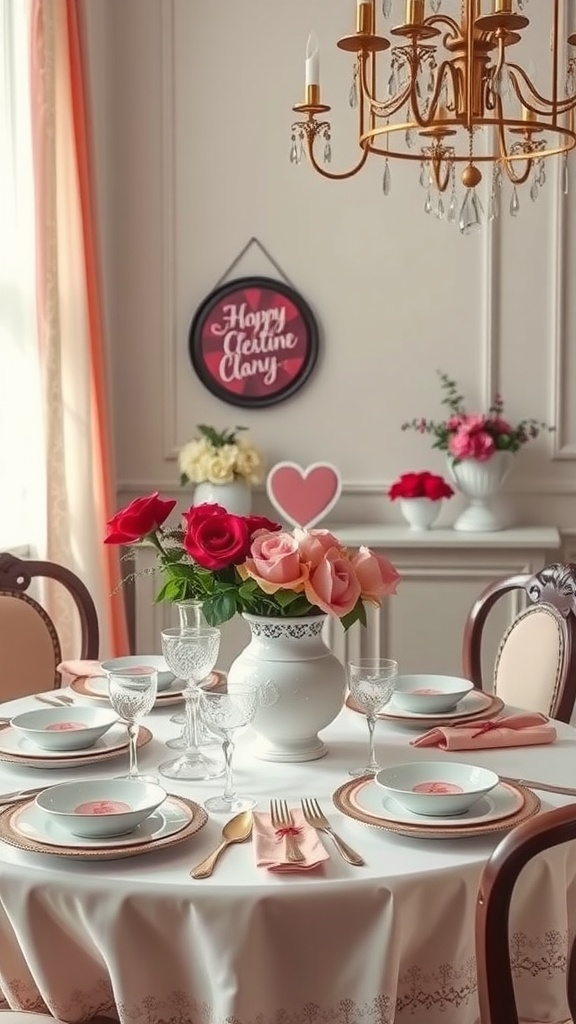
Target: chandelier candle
column 365, row 17
column 312, row 61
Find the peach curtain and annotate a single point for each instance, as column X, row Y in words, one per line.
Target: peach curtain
column 71, row 344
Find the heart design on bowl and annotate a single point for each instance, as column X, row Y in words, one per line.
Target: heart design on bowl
column 303, row 496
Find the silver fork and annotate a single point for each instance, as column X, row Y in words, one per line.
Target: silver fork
column 315, row 817
column 282, row 818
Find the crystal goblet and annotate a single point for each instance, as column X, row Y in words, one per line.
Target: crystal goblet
column 191, row 654
column 190, row 617
column 371, row 682
column 132, row 693
column 225, row 714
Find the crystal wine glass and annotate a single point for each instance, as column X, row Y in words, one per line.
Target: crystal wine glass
column 132, row 693
column 372, row 682
column 191, row 654
column 190, row 617
column 225, row 713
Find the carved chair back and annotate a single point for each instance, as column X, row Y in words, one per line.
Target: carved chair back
column 29, row 645
column 536, row 662
column 497, row 882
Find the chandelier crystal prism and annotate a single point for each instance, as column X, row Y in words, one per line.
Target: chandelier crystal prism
column 443, row 85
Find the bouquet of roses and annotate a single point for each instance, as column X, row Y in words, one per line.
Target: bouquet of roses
column 420, row 485
column 475, row 435
column 219, row 457
column 250, row 564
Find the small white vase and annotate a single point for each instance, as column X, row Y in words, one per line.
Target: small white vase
column 480, row 481
column 420, row 513
column 235, row 497
column 307, row 691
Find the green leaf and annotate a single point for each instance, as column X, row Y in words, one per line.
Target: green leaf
column 219, row 608
column 285, row 598
column 173, row 590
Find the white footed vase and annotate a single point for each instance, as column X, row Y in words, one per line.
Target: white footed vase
column 479, row 482
column 308, row 685
column 420, row 513
column 235, row 497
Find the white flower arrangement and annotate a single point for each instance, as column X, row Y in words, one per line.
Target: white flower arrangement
column 219, row 457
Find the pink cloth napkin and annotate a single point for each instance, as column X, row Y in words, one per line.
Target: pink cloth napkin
column 80, row 669
column 529, row 729
column 270, row 850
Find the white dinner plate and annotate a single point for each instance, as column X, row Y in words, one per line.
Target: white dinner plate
column 97, row 686
column 351, row 799
column 13, row 742
column 476, row 704
column 16, row 749
column 501, row 802
column 33, row 823
column 177, row 820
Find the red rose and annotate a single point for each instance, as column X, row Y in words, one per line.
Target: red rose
column 214, row 538
column 261, row 523
column 140, row 517
column 409, row 485
column 435, row 488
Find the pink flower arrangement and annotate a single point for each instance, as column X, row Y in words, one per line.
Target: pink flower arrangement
column 420, row 485
column 475, row 435
column 250, row 564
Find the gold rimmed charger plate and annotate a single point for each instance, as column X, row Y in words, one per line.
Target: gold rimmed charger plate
column 195, row 815
column 91, row 756
column 489, row 705
column 344, row 801
column 84, row 687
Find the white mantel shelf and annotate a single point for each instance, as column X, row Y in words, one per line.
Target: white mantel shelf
column 537, row 538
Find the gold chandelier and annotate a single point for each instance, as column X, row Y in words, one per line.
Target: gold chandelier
column 453, row 95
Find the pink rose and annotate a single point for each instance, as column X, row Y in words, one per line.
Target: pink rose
column 465, row 445
column 275, row 563
column 377, row 576
column 476, row 421
column 500, row 425
column 455, row 422
column 333, row 584
column 314, row 544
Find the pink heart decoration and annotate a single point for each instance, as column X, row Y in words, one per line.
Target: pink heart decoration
column 303, row 496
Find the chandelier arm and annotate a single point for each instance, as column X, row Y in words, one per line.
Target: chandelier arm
column 444, row 19
column 446, row 66
column 332, row 174
column 515, row 72
column 505, row 156
column 387, row 109
column 441, row 183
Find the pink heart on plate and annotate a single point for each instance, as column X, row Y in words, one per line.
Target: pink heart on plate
column 303, row 496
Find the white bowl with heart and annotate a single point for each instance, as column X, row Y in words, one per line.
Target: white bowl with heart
column 430, row 695
column 439, row 789
column 100, row 808
column 155, row 661
column 66, row 728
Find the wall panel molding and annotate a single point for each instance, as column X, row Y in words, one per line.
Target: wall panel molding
column 542, row 486
column 561, row 447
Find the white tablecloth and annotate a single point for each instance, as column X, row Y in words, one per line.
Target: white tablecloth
column 391, row 941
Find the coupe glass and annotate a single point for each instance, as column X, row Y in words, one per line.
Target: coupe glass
column 372, row 682
column 132, row 693
column 191, row 654
column 225, row 713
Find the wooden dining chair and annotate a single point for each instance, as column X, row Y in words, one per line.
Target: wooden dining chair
column 497, row 882
column 29, row 646
column 535, row 666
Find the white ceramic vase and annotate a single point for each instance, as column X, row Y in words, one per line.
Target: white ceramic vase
column 480, row 481
column 235, row 497
column 307, row 691
column 420, row 513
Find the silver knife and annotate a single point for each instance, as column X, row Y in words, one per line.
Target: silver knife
column 546, row 787
column 19, row 794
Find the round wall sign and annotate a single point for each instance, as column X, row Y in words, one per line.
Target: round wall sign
column 253, row 342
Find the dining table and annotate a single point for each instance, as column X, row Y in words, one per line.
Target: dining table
column 140, row 940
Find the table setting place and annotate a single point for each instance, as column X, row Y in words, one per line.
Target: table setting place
column 447, row 766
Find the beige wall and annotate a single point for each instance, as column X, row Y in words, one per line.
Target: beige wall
column 192, row 117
